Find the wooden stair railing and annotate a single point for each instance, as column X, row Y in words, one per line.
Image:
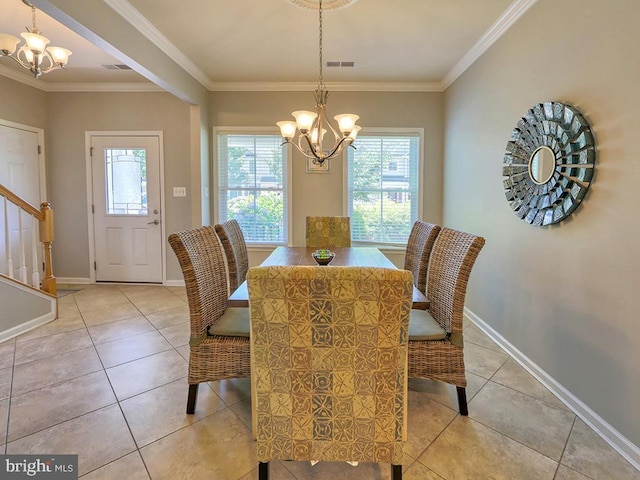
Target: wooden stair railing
column 44, row 216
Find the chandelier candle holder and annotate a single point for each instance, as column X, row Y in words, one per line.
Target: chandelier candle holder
column 312, row 126
column 35, row 55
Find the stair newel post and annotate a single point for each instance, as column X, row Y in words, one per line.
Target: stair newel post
column 46, row 237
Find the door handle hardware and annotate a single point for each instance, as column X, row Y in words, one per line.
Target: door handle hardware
column 155, row 222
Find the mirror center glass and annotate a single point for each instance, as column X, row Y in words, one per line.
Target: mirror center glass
column 542, row 164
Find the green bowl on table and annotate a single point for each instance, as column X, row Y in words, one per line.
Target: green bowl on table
column 323, row 257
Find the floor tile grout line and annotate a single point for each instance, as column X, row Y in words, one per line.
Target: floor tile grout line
column 445, row 429
column 555, row 407
column 564, row 449
column 124, row 417
column 59, row 383
column 8, row 415
column 433, row 442
column 514, row 439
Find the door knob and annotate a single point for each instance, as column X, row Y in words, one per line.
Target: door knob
column 155, row 222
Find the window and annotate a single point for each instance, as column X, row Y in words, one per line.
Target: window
column 383, row 186
column 252, row 179
column 126, row 173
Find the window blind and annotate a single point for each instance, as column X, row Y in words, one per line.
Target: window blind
column 383, row 188
column 252, row 183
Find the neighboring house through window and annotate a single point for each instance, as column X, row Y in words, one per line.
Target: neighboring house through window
column 252, row 178
column 384, row 182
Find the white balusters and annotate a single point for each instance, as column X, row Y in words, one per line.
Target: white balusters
column 35, row 277
column 40, row 220
column 7, row 239
column 22, row 271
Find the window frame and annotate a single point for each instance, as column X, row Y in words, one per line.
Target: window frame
column 387, row 132
column 287, row 184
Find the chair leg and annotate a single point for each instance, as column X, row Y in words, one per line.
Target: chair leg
column 191, row 399
column 462, row 401
column 396, row 472
column 263, row 470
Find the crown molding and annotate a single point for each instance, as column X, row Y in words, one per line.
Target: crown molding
column 138, row 21
column 21, row 77
column 495, row 31
column 332, row 87
column 104, row 87
column 27, row 79
column 146, row 28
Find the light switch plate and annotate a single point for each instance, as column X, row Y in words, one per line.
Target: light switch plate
column 179, row 191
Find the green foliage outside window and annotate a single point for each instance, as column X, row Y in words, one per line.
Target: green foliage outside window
column 262, row 216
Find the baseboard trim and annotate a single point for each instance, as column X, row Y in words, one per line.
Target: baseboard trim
column 87, row 281
column 608, row 433
column 73, row 281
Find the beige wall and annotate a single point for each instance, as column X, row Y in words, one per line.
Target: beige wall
column 566, row 296
column 70, row 115
column 65, row 117
column 316, row 194
column 23, row 104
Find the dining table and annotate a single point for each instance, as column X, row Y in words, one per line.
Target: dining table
column 345, row 256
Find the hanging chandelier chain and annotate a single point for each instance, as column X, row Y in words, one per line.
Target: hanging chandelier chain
column 321, row 85
column 34, row 29
column 311, row 126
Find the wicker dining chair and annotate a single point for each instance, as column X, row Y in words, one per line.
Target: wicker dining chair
column 235, row 249
column 219, row 340
column 435, row 335
column 416, row 260
column 329, row 349
column 328, row 232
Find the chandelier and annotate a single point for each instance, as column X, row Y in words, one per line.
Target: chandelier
column 312, row 126
column 34, row 55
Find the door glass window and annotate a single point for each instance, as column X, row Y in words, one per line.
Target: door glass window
column 126, row 177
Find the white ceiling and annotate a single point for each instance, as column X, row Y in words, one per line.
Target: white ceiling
column 426, row 43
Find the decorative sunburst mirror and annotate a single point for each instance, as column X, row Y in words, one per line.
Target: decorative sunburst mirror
column 549, row 163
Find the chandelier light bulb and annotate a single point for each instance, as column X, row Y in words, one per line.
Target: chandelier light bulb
column 287, row 129
column 314, row 137
column 304, row 119
column 59, row 55
column 8, row 44
column 346, row 122
column 354, row 133
column 35, row 42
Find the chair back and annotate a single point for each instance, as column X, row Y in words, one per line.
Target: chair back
column 203, row 267
column 329, row 348
column 235, row 249
column 416, row 260
column 328, row 232
column 452, row 259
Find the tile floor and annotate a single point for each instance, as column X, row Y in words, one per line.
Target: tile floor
column 107, row 380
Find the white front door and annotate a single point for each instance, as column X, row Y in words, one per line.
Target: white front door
column 22, row 172
column 126, row 206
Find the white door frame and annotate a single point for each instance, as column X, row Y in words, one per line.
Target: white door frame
column 41, row 161
column 89, row 170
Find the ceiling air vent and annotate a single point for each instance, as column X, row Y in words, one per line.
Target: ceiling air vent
column 341, row 64
column 117, row 66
